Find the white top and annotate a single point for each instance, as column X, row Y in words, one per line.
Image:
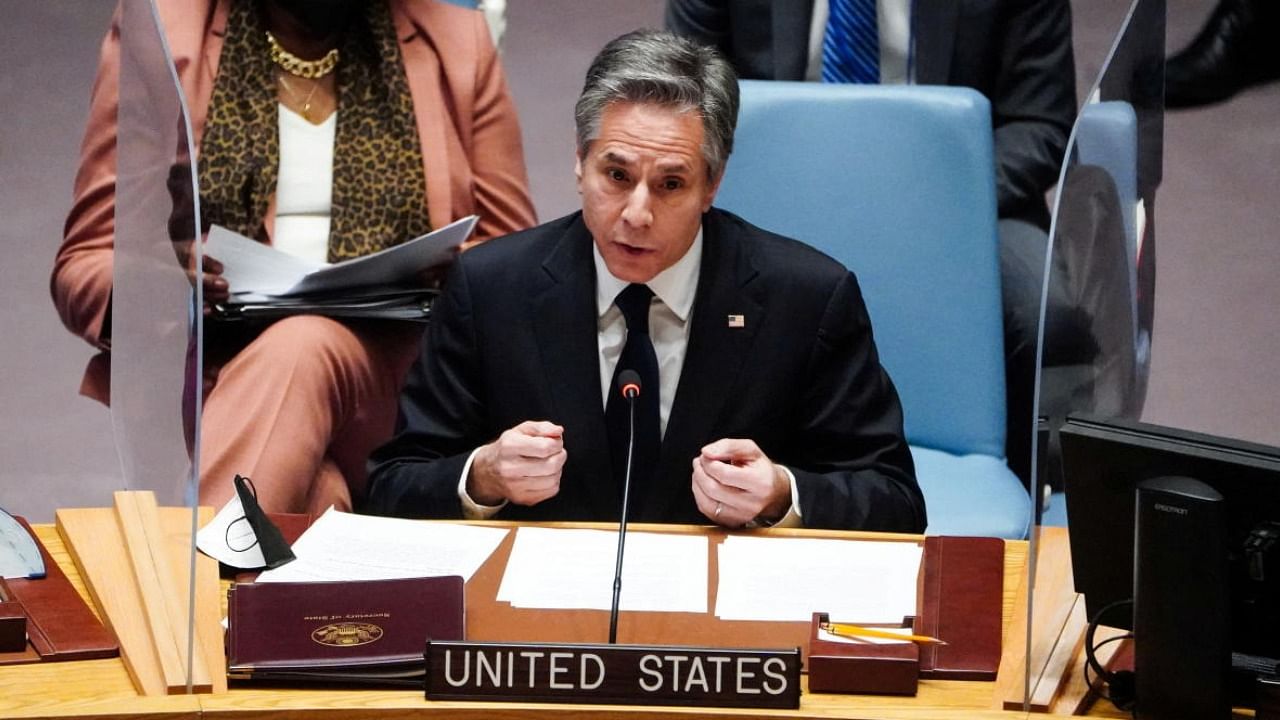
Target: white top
column 673, row 292
column 894, row 20
column 304, row 190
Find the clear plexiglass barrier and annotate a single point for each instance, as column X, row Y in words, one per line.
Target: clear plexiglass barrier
column 156, row 311
column 1095, row 338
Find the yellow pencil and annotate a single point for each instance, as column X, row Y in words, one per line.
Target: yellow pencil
column 858, row 631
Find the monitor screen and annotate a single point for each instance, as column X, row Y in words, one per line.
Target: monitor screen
column 1103, row 461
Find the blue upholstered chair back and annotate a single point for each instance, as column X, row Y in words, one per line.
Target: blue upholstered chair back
column 1106, row 134
column 898, row 184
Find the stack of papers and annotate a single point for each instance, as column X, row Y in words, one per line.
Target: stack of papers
column 268, row 283
column 789, row 579
column 565, row 569
column 343, row 546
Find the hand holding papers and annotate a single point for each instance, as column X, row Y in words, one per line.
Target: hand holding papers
column 265, row 282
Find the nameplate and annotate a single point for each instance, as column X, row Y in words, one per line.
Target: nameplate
column 613, row 674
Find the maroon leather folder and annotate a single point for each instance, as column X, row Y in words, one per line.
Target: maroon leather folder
column 962, row 603
column 362, row 631
column 60, row 626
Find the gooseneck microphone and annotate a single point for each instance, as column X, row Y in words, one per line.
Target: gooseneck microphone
column 629, row 388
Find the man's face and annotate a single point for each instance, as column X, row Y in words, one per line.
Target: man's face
column 644, row 187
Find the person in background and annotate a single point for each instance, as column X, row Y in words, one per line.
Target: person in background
column 762, row 398
column 1015, row 52
column 328, row 129
column 1234, row 50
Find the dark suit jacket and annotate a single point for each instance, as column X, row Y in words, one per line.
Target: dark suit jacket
column 1015, row 52
column 513, row 338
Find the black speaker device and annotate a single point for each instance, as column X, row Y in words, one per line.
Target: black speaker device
column 1181, row 616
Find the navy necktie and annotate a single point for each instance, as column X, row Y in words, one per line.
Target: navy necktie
column 638, row 355
column 851, row 45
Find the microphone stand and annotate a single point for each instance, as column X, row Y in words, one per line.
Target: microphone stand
column 630, row 393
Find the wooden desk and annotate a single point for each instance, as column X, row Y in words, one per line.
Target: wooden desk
column 101, row 688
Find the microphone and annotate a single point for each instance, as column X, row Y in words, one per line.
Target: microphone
column 629, row 388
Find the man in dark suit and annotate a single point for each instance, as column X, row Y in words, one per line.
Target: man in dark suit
column 764, row 400
column 1017, row 53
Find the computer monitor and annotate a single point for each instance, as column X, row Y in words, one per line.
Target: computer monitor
column 1103, row 461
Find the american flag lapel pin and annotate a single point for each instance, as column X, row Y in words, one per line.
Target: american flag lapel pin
column 737, row 321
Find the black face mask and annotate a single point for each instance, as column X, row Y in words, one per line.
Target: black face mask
column 323, row 18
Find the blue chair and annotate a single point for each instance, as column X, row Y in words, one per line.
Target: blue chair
column 898, row 184
column 1106, row 135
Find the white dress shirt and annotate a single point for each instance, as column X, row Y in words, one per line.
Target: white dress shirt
column 673, row 293
column 670, row 312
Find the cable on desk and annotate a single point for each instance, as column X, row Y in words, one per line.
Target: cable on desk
column 1121, row 683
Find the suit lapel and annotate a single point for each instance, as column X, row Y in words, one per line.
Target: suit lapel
column 713, row 360
column 564, row 315
column 424, row 76
column 933, row 25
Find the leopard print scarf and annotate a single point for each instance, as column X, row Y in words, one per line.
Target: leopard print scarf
column 379, row 188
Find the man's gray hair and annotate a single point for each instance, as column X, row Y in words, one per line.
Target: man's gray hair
column 649, row 66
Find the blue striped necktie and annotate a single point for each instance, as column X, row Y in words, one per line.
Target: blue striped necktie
column 851, row 45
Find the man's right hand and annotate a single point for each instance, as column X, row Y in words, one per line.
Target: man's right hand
column 522, row 466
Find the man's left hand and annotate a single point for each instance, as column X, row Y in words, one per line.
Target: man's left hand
column 734, row 482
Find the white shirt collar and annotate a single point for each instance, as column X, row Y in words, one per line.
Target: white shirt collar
column 675, row 287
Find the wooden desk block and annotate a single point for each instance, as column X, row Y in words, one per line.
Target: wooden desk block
column 98, row 547
column 13, row 627
column 163, row 597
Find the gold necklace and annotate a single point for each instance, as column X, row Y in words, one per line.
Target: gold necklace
column 306, row 102
column 294, row 65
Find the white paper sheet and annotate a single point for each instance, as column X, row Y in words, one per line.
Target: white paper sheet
column 252, row 267
column 565, row 569
column 343, row 546
column 254, row 271
column 788, row 579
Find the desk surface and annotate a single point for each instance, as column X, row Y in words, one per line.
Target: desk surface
column 101, row 688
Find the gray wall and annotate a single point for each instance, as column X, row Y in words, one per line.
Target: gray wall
column 55, row 446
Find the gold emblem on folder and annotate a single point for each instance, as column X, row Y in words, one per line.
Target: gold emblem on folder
column 347, row 634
